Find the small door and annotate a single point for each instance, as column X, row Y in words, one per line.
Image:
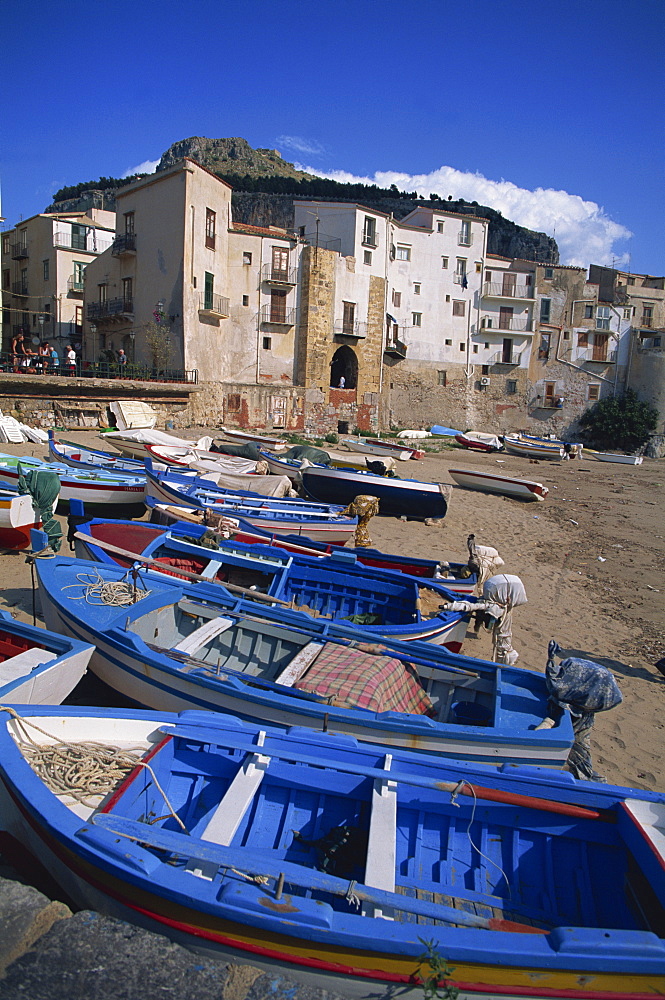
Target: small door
column 549, row 393
column 507, row 355
column 600, row 346
column 208, row 290
column 509, row 284
column 505, row 317
column 78, row 236
column 277, row 307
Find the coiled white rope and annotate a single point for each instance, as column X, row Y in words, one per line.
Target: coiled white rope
column 98, row 591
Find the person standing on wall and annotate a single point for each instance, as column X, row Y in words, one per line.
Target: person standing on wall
column 70, row 359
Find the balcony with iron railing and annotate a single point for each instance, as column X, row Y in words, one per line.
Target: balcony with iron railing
column 19, row 287
column 75, row 285
column 464, row 239
column 504, row 358
column 19, row 251
column 279, row 275
column 506, row 290
column 85, row 244
column 111, row 309
column 370, row 239
column 349, row 328
column 597, row 355
column 123, row 244
column 214, row 305
column 512, row 324
column 278, row 317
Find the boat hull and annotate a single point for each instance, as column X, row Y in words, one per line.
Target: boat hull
column 524, row 489
column 18, row 516
column 349, row 952
column 619, row 459
column 397, row 497
column 103, row 490
column 37, row 667
column 533, row 449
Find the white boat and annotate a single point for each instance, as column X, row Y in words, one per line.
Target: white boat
column 488, row 482
column 366, row 447
column 103, row 488
column 38, row 667
column 19, row 514
column 132, row 443
column 604, row 456
column 478, row 441
column 191, row 457
column 264, row 440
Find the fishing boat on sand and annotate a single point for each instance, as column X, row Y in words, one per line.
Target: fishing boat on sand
column 516, row 444
column 605, row 456
column 264, row 440
column 92, row 487
column 19, row 514
column 356, row 869
column 398, row 497
column 77, row 456
column 170, row 644
column 477, row 441
column 38, row 667
column 382, row 448
column 494, row 482
column 386, row 602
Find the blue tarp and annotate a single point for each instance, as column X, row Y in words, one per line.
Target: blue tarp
column 446, row 431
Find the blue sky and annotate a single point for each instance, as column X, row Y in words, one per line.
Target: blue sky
column 550, row 111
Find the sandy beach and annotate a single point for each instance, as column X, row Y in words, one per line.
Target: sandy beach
column 591, row 557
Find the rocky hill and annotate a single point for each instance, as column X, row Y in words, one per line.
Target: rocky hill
column 265, row 186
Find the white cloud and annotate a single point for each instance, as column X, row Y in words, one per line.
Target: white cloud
column 300, row 145
column 584, row 233
column 147, row 167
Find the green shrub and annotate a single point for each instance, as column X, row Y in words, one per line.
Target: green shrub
column 622, row 422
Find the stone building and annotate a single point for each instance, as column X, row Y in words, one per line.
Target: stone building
column 44, row 260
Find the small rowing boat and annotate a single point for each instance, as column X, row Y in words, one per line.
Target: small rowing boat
column 19, row 514
column 516, row 444
column 368, row 447
column 91, row 487
column 352, row 869
column 398, row 497
column 605, row 456
column 489, row 482
column 477, row 441
column 38, row 667
column 264, row 440
column 84, row 459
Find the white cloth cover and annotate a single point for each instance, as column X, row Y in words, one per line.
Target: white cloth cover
column 489, row 561
column 267, row 486
column 502, row 593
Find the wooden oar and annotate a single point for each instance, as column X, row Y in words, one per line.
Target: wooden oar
column 255, row 863
column 255, row 595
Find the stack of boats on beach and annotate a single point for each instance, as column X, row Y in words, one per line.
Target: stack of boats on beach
column 315, row 778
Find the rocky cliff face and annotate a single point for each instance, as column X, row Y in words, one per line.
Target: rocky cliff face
column 234, row 158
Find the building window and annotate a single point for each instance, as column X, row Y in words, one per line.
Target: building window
column 627, row 313
column 267, row 343
column 444, row 263
column 544, row 349
column 448, row 343
column 78, row 319
column 545, row 310
column 277, row 306
column 5, row 244
column 5, row 279
column 79, row 271
column 488, row 276
column 630, row 281
column 280, row 264
column 479, row 267
column 566, row 335
column 439, row 227
column 78, row 236
column 416, row 319
column 603, row 318
column 369, row 231
column 397, row 299
column 511, row 387
column 549, row 273
column 462, row 347
column 656, row 342
column 487, row 347
column 245, row 300
column 484, row 369
column 367, row 257
column 475, row 348
column 416, row 288
column 647, row 316
column 583, row 338
column 129, row 223
column 348, row 318
column 402, row 252
column 211, row 218
column 46, row 270
column 127, row 296
column 459, row 307
column 233, row 402
column 208, row 288
column 246, row 257
column 442, row 378
column 464, row 237
column 588, row 312
column 460, row 272
column 103, row 293
column 593, row 392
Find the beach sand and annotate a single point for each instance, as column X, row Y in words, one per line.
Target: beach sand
column 591, row 557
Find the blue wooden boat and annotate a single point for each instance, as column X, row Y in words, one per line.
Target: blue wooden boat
column 398, row 497
column 90, row 486
column 174, row 645
column 38, row 667
column 386, row 602
column 317, row 520
column 455, row 575
column 357, row 868
column 77, row 456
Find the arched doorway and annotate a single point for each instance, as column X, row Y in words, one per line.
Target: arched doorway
column 344, row 365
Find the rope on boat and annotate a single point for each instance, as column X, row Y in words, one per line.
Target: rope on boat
column 82, row 770
column 453, row 801
column 100, row 592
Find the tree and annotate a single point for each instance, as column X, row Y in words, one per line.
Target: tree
column 157, row 337
column 623, row 422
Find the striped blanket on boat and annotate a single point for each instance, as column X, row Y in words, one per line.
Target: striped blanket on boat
column 350, row 678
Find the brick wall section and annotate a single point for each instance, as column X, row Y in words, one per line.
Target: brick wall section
column 316, row 317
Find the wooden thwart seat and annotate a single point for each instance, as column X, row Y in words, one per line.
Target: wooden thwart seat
column 381, row 849
column 299, row 665
column 203, row 634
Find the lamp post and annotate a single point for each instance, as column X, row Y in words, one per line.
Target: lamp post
column 93, row 331
column 132, row 337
